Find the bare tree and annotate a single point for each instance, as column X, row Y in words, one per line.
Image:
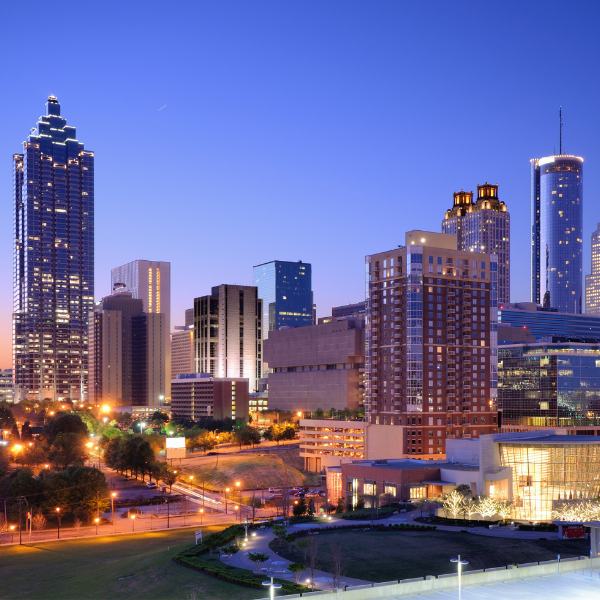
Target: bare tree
column 77, row 525
column 39, row 520
column 337, row 564
column 312, row 552
column 3, row 524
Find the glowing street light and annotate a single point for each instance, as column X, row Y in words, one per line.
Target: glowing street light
column 12, row 533
column 112, row 507
column 58, row 515
column 132, row 522
column 460, row 563
column 272, row 586
column 142, row 425
column 96, row 521
column 106, row 408
column 201, row 515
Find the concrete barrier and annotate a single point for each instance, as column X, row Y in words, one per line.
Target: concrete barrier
column 445, row 582
column 413, row 579
column 523, row 565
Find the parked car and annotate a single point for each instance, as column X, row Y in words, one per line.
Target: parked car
column 151, row 485
column 273, row 489
column 322, row 494
column 212, row 453
column 274, row 497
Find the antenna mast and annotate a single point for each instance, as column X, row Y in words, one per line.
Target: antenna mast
column 560, row 121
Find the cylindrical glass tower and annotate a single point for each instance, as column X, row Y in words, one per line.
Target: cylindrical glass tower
column 561, row 232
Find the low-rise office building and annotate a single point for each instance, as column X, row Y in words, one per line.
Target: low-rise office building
column 182, row 350
column 198, row 395
column 317, row 366
column 534, row 470
column 6, row 385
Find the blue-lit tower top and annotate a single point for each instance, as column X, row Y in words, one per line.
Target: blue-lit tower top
column 53, row 260
column 557, row 232
column 286, row 291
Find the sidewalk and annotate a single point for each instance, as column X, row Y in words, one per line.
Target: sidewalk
column 276, row 566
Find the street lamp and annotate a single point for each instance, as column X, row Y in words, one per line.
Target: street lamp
column 201, row 515
column 132, row 522
column 272, row 587
column 460, row 563
column 12, row 533
column 235, row 508
column 58, row 516
column 112, row 507
column 141, row 426
column 96, row 521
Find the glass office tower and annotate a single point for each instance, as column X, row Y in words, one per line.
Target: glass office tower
column 286, row 291
column 557, row 232
column 592, row 281
column 53, row 260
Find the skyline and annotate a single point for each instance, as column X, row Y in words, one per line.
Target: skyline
column 357, row 111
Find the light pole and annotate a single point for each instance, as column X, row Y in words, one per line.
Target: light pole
column 272, row 586
column 58, row 515
column 460, row 563
column 141, row 426
column 96, row 521
column 12, row 534
column 201, row 515
column 112, row 507
column 132, row 522
column 235, row 508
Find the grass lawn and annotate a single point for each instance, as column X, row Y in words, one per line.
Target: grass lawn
column 383, row 556
column 136, row 566
column 253, row 471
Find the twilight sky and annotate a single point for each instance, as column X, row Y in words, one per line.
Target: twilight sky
column 228, row 134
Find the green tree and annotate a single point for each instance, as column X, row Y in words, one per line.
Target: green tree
column 296, row 568
column 289, row 539
column 340, row 505
column 26, row 434
column 230, row 550
column 167, row 476
column 246, row 436
column 258, row 558
column 300, row 508
column 311, row 507
column 159, row 418
column 61, row 424
column 31, row 456
column 7, row 417
column 14, row 433
column 67, row 449
column 279, row 531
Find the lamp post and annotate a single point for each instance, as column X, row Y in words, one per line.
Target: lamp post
column 58, row 515
column 112, row 507
column 132, row 522
column 272, row 586
column 12, row 534
column 201, row 515
column 96, row 521
column 460, row 563
column 141, row 426
column 235, row 508
column 191, row 481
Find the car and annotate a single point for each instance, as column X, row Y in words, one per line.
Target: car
column 273, row 489
column 322, row 494
column 274, row 497
column 151, row 485
column 212, row 453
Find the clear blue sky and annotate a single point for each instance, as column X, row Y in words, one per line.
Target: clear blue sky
column 292, row 130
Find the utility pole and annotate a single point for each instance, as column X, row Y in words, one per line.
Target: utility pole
column 97, row 504
column 20, row 506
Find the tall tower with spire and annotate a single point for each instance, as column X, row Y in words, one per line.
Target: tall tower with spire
column 53, row 283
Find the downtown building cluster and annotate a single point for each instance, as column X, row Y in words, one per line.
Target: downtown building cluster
column 434, row 352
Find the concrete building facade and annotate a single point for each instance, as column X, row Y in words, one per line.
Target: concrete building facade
column 431, row 341
column 330, row 443
column 317, row 366
column 228, row 333
column 198, row 395
column 182, row 350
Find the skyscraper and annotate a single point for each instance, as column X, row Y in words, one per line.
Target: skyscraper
column 150, row 281
column 286, row 291
column 592, row 282
column 557, row 232
column 483, row 226
column 431, row 341
column 228, row 333
column 126, row 356
column 53, row 260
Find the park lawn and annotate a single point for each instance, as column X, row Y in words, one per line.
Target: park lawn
column 253, row 472
column 387, row 556
column 93, row 567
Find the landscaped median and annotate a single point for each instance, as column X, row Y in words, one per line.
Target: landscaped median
column 201, row 558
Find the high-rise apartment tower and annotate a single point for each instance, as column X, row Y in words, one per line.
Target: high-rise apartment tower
column 557, row 232
column 431, row 341
column 53, row 260
column 483, row 226
column 592, row 282
column 228, row 333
